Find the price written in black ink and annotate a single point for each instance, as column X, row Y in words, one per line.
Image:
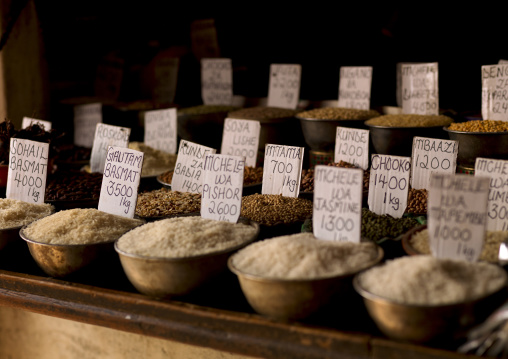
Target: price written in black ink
column 286, row 169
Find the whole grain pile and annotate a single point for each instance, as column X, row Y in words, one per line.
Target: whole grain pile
column 378, row 226
column 15, row 213
column 302, row 256
column 338, row 113
column 73, row 186
column 262, row 113
column 154, row 161
column 165, row 202
column 206, row 109
column 493, row 239
column 417, row 201
column 271, row 209
column 80, row 226
column 426, row 280
column 480, row 126
column 184, row 237
column 410, row 120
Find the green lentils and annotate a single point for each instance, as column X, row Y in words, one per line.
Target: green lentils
column 410, row 120
column 206, row 109
column 480, row 126
column 376, row 227
column 262, row 113
column 338, row 113
column 271, row 209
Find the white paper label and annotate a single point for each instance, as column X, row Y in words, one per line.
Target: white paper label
column 241, row 138
column 352, row 145
column 106, row 136
column 389, row 184
column 502, row 61
column 27, row 122
column 28, row 168
column 337, row 212
column 431, row 155
column 160, row 129
column 282, row 170
column 188, row 174
column 497, row 171
column 495, row 92
column 284, row 87
column 120, row 181
column 221, row 198
column 216, row 81
column 165, row 78
column 420, row 89
column 457, row 215
column 86, row 118
column 354, row 87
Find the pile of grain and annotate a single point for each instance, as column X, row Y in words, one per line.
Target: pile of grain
column 184, row 237
column 426, row 280
column 410, row 120
column 272, row 209
column 79, row 226
column 302, row 256
column 262, row 113
column 480, row 126
column 338, row 113
column 165, row 202
column 206, row 109
column 154, row 162
column 15, row 213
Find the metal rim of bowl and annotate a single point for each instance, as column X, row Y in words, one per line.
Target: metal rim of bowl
column 57, row 245
column 406, row 244
column 475, row 133
column 190, row 258
column 258, row 278
column 365, row 294
column 330, row 120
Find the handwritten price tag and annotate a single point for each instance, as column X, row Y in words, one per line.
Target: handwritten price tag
column 457, row 215
column 354, row 87
column 221, row 198
column 188, row 174
column 216, row 81
column 389, row 184
column 337, row 213
column 160, row 130
column 86, row 118
column 494, row 92
column 28, row 169
column 120, row 181
column 352, row 145
column 106, row 136
column 27, row 122
column 284, row 87
column 420, row 89
column 282, row 170
column 241, row 138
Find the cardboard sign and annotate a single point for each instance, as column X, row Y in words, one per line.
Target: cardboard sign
column 495, row 92
column 28, row 168
column 188, row 174
column 86, row 118
column 457, row 215
column 282, row 170
column 497, row 171
column 352, row 145
column 389, row 184
column 216, row 81
column 284, row 87
column 106, row 136
column 221, row 198
column 431, row 155
column 27, row 122
column 160, row 130
column 120, row 181
column 420, row 89
column 354, row 87
column 337, row 212
column 241, row 138
column 165, row 78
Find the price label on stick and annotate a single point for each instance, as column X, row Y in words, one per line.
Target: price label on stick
column 494, row 92
column 420, row 90
column 389, row 184
column 282, row 170
column 241, row 138
column 120, row 181
column 337, row 208
column 354, row 87
column 221, row 198
column 284, row 87
column 106, row 136
column 188, row 173
column 457, row 215
column 86, row 118
column 497, row 171
column 431, row 155
column 216, row 81
column 27, row 122
column 160, row 130
column 28, row 168
column 352, row 145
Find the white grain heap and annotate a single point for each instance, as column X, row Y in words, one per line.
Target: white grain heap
column 15, row 213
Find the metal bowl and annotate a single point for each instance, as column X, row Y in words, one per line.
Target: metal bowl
column 479, row 144
column 167, row 277
column 62, row 260
column 293, row 299
column 427, row 323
